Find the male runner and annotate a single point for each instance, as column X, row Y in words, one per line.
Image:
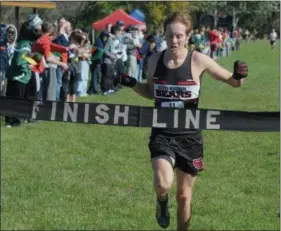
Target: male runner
column 273, row 37
column 181, row 149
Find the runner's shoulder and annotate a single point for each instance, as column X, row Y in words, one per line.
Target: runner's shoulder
column 152, row 63
column 201, row 62
column 199, row 59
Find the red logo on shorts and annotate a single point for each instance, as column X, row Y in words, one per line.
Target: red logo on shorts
column 198, row 164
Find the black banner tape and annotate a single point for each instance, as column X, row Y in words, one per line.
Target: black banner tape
column 138, row 116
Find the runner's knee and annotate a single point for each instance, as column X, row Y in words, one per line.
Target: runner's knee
column 163, row 181
column 163, row 172
column 184, row 197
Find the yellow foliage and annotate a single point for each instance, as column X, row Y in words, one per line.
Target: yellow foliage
column 156, row 12
column 174, row 6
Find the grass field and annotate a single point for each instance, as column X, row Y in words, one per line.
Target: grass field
column 75, row 176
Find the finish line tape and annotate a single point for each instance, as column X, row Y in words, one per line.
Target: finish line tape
column 138, row 116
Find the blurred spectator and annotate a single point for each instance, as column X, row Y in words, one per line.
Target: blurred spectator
column 121, row 51
column 161, row 44
column 213, row 37
column 97, row 63
column 120, row 25
column 45, row 47
column 60, row 25
column 140, row 54
column 71, row 76
column 108, row 67
column 236, row 36
column 7, row 48
column 148, row 48
column 63, row 40
column 132, row 44
column 108, row 28
column 273, row 37
column 83, row 66
column 19, row 71
column 254, row 35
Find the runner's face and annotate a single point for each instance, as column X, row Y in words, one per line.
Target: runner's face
column 176, row 37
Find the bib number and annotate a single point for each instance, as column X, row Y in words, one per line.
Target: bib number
column 173, row 104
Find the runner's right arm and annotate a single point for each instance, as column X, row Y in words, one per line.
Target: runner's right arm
column 145, row 90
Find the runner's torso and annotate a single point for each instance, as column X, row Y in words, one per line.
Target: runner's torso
column 175, row 88
column 273, row 37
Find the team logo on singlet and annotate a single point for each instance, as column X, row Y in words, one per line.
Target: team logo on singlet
column 184, row 90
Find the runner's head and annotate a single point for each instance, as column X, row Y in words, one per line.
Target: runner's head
column 177, row 28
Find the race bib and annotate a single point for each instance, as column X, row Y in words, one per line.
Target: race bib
column 173, row 104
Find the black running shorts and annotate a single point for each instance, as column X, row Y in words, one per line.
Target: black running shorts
column 186, row 150
column 272, row 42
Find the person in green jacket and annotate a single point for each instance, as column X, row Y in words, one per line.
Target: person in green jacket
column 19, row 72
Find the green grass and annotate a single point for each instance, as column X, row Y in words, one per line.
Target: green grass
column 75, row 176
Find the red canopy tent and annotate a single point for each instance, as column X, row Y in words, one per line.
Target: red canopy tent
column 114, row 17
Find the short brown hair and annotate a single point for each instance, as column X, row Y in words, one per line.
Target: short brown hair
column 77, row 36
column 85, row 41
column 183, row 18
column 48, row 27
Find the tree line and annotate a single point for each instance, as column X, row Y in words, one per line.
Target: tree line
column 245, row 14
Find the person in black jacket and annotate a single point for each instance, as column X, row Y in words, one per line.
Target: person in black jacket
column 96, row 64
column 63, row 40
column 7, row 48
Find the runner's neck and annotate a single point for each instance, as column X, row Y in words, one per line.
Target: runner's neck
column 177, row 57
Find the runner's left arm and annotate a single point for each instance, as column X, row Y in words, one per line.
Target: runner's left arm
column 235, row 79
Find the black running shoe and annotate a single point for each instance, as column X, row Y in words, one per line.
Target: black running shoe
column 162, row 213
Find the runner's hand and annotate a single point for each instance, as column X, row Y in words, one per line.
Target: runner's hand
column 128, row 81
column 240, row 70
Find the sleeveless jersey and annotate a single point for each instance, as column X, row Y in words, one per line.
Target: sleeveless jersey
column 175, row 88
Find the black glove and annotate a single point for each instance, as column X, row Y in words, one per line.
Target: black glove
column 128, row 81
column 240, row 70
